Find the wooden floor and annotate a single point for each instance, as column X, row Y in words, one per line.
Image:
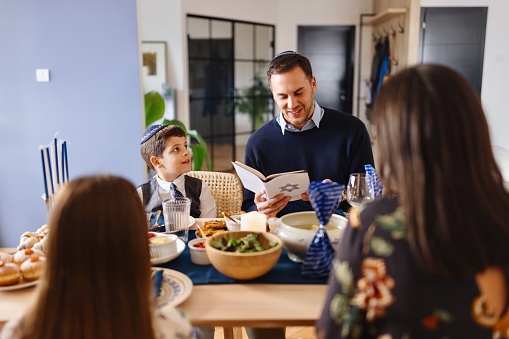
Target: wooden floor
column 291, row 333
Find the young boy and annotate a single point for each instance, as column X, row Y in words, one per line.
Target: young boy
column 164, row 149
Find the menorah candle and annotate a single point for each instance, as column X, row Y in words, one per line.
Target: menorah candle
column 253, row 221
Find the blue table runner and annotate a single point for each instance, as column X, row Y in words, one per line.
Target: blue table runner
column 284, row 272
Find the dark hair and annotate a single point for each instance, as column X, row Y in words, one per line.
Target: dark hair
column 287, row 62
column 156, row 144
column 434, row 147
column 97, row 280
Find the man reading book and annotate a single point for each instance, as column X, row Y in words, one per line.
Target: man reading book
column 328, row 144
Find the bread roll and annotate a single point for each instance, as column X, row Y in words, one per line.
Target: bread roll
column 22, row 255
column 32, row 268
column 5, row 257
column 9, row 273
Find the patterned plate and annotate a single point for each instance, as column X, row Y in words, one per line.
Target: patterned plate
column 175, row 289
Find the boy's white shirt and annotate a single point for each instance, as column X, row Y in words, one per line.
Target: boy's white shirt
column 207, row 202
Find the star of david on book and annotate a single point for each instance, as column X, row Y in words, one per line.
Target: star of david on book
column 289, row 187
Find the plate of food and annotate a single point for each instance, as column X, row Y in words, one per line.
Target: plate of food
column 181, row 246
column 14, row 276
column 20, row 285
column 211, row 227
column 176, row 287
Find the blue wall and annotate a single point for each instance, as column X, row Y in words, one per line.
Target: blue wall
column 93, row 99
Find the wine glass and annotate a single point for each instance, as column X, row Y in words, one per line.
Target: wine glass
column 357, row 189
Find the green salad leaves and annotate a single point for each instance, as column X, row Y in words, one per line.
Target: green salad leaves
column 246, row 244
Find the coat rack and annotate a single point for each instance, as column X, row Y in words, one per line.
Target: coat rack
column 373, row 19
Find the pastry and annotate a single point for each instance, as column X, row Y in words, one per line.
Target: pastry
column 9, row 273
column 5, row 257
column 22, row 255
column 42, row 244
column 32, row 268
column 28, row 240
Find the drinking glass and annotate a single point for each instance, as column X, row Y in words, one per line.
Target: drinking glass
column 357, row 191
column 176, row 217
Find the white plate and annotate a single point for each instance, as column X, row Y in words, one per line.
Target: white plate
column 175, row 288
column 22, row 284
column 181, row 246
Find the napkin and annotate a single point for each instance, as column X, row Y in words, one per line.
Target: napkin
column 157, row 279
column 375, row 186
column 324, row 197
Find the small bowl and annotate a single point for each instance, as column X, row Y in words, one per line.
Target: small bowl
column 231, row 225
column 244, row 266
column 166, row 247
column 198, row 255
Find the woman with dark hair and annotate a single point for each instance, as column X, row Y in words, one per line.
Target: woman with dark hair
column 430, row 258
column 97, row 282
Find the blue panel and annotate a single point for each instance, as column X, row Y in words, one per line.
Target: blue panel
column 93, row 99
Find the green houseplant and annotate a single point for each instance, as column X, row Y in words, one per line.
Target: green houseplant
column 254, row 100
column 154, row 110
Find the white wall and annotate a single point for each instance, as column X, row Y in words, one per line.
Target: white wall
column 495, row 87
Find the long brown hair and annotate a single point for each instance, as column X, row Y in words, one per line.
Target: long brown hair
column 97, row 283
column 434, row 146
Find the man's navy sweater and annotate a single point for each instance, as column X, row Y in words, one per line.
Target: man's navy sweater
column 339, row 147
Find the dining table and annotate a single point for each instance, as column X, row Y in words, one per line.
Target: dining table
column 280, row 298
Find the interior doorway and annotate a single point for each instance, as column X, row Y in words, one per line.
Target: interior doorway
column 455, row 37
column 331, row 52
column 229, row 97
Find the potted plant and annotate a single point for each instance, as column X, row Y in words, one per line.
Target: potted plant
column 154, row 110
column 254, row 100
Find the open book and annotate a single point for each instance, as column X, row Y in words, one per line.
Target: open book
column 291, row 184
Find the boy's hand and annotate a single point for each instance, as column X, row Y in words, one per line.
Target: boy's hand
column 272, row 206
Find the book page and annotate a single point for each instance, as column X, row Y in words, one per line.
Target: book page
column 272, row 176
column 291, row 184
column 238, row 164
column 250, row 181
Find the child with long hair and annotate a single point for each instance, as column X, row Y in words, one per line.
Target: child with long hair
column 97, row 282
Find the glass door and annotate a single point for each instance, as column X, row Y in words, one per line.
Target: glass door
column 228, row 92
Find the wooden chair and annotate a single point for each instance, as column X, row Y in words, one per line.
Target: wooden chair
column 226, row 189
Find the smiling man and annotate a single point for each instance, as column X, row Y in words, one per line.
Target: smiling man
column 304, row 136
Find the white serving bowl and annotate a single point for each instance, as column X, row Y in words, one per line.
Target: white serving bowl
column 162, row 245
column 198, row 255
column 296, row 240
column 231, row 225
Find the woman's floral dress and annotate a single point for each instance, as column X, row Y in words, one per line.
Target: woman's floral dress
column 376, row 289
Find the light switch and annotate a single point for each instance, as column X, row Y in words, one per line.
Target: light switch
column 42, row 75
